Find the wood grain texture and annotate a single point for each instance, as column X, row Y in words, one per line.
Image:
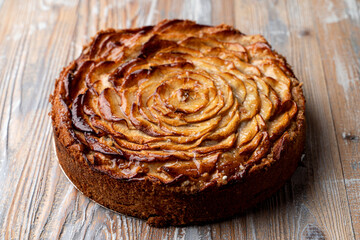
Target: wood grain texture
column 319, row 38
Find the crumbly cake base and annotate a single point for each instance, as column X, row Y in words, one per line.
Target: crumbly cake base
column 162, row 205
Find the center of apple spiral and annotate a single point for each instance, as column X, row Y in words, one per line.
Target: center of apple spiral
column 183, row 95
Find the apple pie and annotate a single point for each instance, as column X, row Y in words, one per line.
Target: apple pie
column 178, row 123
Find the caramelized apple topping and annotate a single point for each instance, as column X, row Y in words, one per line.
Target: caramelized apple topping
column 179, row 99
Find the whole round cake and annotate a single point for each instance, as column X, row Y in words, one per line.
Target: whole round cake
column 178, row 123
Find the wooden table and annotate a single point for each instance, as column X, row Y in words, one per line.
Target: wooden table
column 319, row 38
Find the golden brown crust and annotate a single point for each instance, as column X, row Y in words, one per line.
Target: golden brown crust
column 189, row 115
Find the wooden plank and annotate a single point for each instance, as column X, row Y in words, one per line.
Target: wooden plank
column 40, row 37
column 29, row 74
column 338, row 27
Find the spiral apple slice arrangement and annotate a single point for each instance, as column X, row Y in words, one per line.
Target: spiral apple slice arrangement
column 179, row 101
